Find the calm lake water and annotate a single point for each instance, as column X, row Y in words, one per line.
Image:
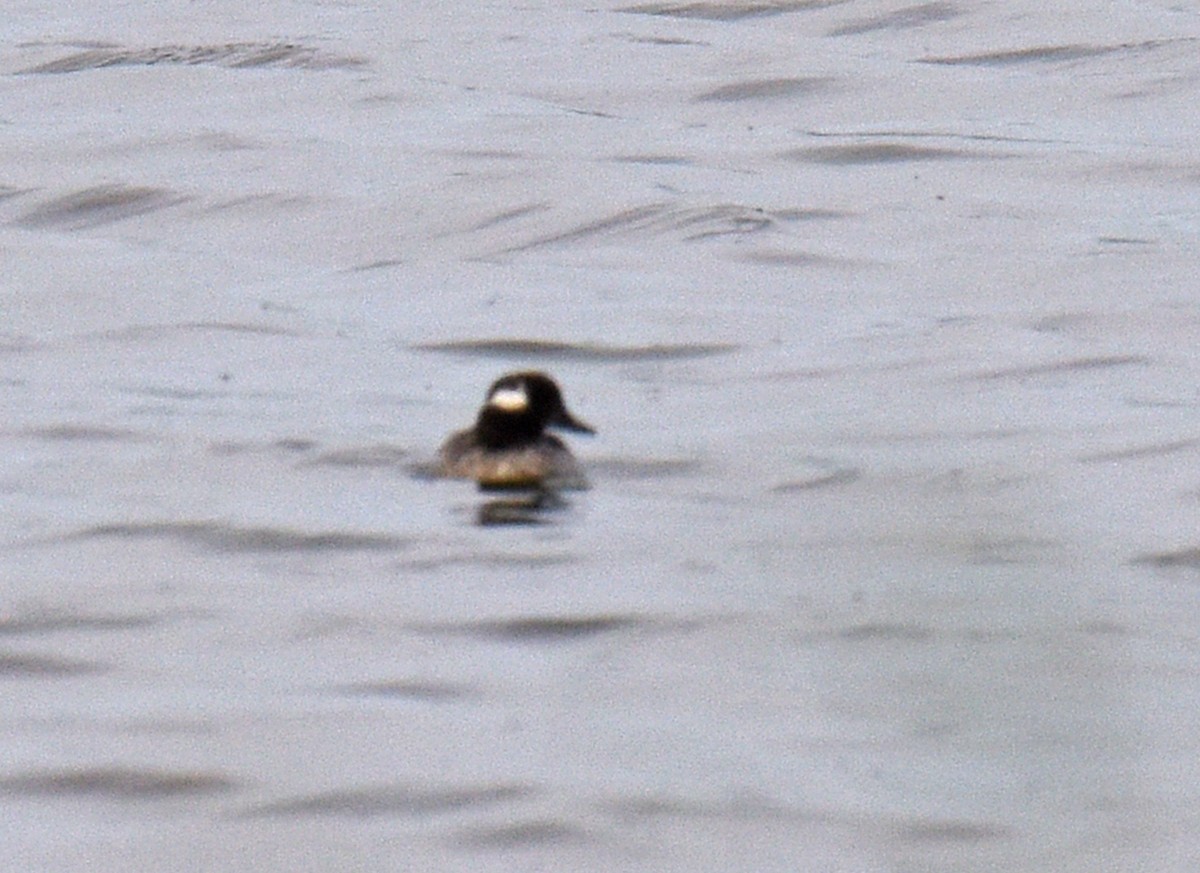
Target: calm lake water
column 885, row 316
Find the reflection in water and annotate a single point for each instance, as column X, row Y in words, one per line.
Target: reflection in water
column 520, row 507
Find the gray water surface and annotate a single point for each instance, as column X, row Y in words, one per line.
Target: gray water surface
column 885, row 314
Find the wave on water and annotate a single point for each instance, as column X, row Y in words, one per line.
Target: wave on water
column 550, row 350
column 222, row 537
column 236, row 55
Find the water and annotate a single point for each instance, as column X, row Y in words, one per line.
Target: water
column 884, row 315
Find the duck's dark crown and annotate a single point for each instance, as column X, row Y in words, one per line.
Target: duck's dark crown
column 519, row 408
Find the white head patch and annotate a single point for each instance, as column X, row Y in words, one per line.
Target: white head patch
column 510, row 399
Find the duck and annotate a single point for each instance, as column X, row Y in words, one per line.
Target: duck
column 508, row 447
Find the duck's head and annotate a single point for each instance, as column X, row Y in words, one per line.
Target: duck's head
column 520, row 406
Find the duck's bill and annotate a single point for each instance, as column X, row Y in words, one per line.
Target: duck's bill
column 566, row 421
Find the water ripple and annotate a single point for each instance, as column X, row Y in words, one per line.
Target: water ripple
column 102, row 204
column 235, row 55
column 728, row 11
column 14, row 666
column 391, row 800
column 559, row 351
column 538, row 629
column 118, row 783
column 222, row 537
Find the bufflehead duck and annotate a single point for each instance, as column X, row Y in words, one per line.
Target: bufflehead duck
column 508, row 447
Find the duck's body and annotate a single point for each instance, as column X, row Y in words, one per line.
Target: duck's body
column 547, row 462
column 508, row 446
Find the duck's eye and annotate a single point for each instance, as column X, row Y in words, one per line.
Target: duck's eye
column 510, row 399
